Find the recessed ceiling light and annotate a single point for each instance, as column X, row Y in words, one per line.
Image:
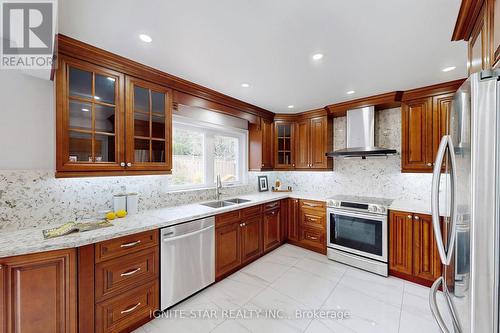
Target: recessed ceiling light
column 318, row 56
column 350, row 92
column 291, row 106
column 448, row 69
column 85, row 110
column 245, row 85
column 145, row 38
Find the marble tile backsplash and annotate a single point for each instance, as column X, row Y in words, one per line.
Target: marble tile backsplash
column 37, row 199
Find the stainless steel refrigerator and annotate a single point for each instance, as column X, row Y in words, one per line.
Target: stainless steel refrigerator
column 466, row 190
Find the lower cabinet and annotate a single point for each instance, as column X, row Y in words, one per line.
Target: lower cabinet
column 293, row 219
column 118, row 283
column 307, row 224
column 244, row 235
column 227, row 247
column 272, row 229
column 38, row 293
column 251, row 239
column 413, row 251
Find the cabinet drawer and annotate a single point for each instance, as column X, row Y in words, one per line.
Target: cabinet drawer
column 125, row 245
column 312, row 219
column 125, row 272
column 271, row 205
column 251, row 211
column 319, row 205
column 227, row 218
column 126, row 311
column 312, row 237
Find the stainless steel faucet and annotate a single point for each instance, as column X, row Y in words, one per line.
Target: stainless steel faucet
column 218, row 187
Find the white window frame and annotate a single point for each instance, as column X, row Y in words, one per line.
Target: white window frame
column 210, row 130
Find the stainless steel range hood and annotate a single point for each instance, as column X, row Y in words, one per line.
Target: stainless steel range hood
column 360, row 135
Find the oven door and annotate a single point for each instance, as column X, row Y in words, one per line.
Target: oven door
column 358, row 233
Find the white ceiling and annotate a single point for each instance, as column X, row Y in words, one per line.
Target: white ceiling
column 369, row 46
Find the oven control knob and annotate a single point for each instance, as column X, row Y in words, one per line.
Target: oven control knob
column 381, row 210
column 372, row 208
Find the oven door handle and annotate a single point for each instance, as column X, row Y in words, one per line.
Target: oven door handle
column 372, row 217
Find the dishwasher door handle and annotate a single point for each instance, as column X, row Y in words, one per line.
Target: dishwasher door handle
column 187, row 235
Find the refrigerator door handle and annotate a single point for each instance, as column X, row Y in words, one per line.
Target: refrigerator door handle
column 434, row 308
column 436, row 178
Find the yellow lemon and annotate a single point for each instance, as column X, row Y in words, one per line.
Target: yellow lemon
column 121, row 213
column 110, row 216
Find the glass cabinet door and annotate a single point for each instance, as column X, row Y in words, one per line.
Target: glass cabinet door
column 90, row 120
column 284, row 148
column 149, row 119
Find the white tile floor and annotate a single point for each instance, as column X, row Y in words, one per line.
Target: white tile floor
column 291, row 278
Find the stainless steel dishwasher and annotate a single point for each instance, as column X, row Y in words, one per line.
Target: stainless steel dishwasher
column 187, row 260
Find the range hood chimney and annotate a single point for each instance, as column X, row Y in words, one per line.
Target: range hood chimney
column 360, row 135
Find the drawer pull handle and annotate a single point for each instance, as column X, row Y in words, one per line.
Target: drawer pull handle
column 311, row 205
column 313, row 238
column 131, row 244
column 130, row 272
column 131, row 308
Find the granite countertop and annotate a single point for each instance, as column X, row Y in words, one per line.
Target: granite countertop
column 31, row 240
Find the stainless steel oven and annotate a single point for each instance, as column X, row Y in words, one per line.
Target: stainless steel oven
column 357, row 232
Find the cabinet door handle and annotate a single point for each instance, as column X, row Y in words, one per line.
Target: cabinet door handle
column 129, row 164
column 131, row 308
column 1, row 267
column 417, row 218
column 409, row 216
column 130, row 272
column 122, row 164
column 131, row 244
column 262, row 164
column 429, row 164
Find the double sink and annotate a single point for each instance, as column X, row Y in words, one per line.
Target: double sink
column 225, row 203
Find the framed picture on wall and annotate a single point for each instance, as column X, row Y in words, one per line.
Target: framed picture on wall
column 263, row 185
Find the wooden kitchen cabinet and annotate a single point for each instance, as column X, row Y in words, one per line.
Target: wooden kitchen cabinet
column 426, row 260
column 148, row 126
column 293, row 219
column 227, row 248
column 401, row 242
column 118, row 283
column 260, row 143
column 312, row 225
column 425, row 116
column 99, row 133
column 417, row 144
column 241, row 236
column 39, row 292
column 413, row 251
column 89, row 118
column 284, row 148
column 271, row 229
column 478, row 24
column 307, row 224
column 251, row 238
column 311, row 144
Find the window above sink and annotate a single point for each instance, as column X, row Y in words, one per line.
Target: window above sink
column 202, row 150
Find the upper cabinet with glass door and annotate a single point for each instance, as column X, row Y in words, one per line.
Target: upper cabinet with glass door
column 284, row 148
column 149, row 126
column 90, row 117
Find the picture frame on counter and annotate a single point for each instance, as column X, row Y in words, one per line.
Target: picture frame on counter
column 263, row 184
